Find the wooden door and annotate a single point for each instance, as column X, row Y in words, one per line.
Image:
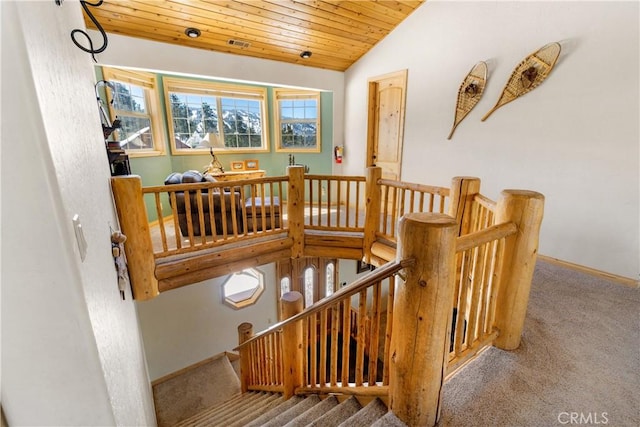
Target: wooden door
column 387, row 95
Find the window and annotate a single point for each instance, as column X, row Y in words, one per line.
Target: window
column 285, row 286
column 243, row 288
column 133, row 99
column 223, row 117
column 297, row 120
column 309, row 286
column 329, row 284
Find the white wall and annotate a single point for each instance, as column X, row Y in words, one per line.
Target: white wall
column 575, row 138
column 71, row 348
column 190, row 324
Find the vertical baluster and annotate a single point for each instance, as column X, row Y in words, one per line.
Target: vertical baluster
column 391, row 292
column 339, row 200
column 361, row 338
column 335, row 319
column 346, row 340
column 174, row 213
column 322, row 368
column 163, row 234
column 374, row 333
column 313, row 347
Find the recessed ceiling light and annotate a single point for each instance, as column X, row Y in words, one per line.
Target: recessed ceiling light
column 192, row 32
column 306, row 54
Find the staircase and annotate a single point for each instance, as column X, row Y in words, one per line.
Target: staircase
column 255, row 409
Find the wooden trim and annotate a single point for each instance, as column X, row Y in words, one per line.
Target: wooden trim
column 621, row 280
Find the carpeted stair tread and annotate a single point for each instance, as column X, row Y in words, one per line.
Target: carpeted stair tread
column 314, row 412
column 227, row 408
column 367, row 415
column 253, row 410
column 185, row 395
column 338, row 414
column 389, row 420
column 287, row 404
column 252, row 415
column 288, row 415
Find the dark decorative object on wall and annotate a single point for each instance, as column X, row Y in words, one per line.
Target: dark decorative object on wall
column 91, row 49
column 470, row 92
column 528, row 75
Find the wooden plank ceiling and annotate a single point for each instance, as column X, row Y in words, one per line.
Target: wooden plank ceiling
column 336, row 32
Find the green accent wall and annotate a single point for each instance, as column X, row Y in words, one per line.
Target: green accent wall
column 154, row 170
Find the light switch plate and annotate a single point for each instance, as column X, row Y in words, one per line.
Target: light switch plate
column 82, row 243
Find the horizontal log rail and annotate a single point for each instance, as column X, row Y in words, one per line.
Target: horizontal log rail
column 354, row 288
column 213, row 214
column 399, row 198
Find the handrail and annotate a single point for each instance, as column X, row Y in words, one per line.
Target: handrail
column 486, row 235
column 440, row 191
column 192, row 186
column 358, row 285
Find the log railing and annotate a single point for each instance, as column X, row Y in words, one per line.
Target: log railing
column 371, row 337
column 334, row 203
column 228, row 210
column 333, row 358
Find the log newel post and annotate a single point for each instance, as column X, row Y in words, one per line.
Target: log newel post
column 422, row 317
column 291, row 304
column 372, row 210
column 132, row 215
column 245, row 332
column 295, row 209
column 525, row 209
column 463, row 189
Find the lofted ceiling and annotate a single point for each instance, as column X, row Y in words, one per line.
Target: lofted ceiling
column 337, row 33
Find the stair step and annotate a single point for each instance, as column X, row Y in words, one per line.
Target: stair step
column 389, row 420
column 293, row 412
column 313, row 413
column 338, row 413
column 275, row 411
column 248, row 418
column 367, row 415
column 251, row 410
column 229, row 407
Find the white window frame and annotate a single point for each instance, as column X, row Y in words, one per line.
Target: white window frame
column 219, row 91
column 245, row 298
column 285, row 94
column 149, row 84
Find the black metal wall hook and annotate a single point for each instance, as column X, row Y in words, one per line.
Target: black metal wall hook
column 91, row 49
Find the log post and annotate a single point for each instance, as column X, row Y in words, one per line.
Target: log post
column 463, row 189
column 372, row 210
column 292, row 336
column 422, row 317
column 132, row 215
column 295, row 209
column 525, row 210
column 245, row 331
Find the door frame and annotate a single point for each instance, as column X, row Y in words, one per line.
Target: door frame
column 373, row 116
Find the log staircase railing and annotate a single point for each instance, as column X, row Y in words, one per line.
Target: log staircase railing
column 449, row 304
column 323, row 329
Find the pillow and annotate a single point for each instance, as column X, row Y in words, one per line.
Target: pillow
column 173, row 178
column 192, row 176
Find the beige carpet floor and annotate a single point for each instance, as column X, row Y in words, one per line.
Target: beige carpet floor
column 578, row 364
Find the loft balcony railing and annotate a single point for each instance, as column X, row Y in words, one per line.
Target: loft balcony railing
column 396, row 333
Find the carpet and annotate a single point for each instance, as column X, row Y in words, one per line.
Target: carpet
column 578, row 363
